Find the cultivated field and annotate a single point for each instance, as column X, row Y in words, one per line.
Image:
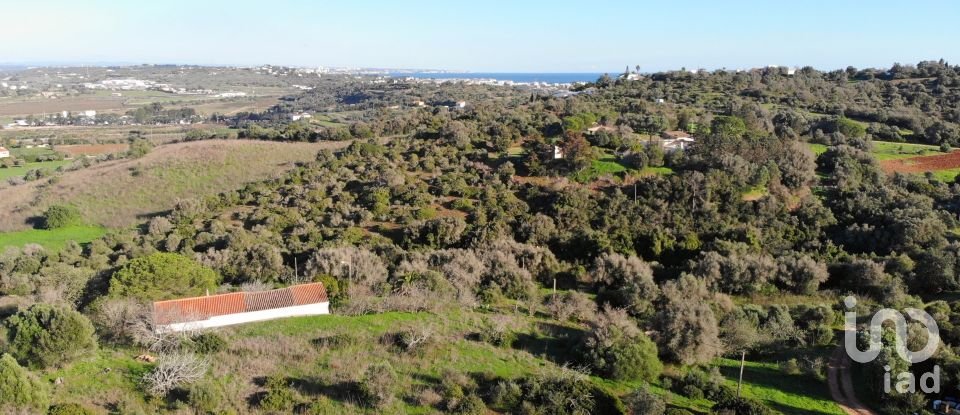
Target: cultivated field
column 922, row 164
column 91, row 149
column 125, row 192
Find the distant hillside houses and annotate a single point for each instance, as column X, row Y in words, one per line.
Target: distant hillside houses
column 121, row 84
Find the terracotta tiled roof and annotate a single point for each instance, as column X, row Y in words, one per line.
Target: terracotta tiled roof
column 201, row 308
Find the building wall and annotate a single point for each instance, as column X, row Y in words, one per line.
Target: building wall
column 240, row 318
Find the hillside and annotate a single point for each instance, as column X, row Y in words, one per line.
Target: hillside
column 124, row 192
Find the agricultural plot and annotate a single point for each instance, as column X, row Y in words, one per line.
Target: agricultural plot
column 92, row 149
column 935, row 163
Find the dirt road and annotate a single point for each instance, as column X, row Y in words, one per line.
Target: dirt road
column 841, row 384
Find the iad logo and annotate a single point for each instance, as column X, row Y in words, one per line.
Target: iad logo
column 905, row 380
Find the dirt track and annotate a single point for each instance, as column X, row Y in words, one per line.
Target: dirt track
column 841, row 384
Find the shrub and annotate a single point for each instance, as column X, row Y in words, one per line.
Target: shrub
column 564, row 392
column 740, row 406
column 625, row 282
column 60, row 216
column 821, row 335
column 377, row 385
column 207, row 343
column 692, row 392
column 162, row 276
column 617, row 349
column 19, row 388
column 69, row 409
column 279, row 397
column 174, row 370
column 644, row 402
column 572, row 305
column 790, row 367
column 44, row 335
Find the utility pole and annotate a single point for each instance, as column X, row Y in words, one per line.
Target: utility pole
column 743, row 357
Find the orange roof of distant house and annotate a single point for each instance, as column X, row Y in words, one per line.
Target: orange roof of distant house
column 3, row 149
column 202, row 308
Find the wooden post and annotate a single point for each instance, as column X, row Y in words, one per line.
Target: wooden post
column 554, row 287
column 743, row 357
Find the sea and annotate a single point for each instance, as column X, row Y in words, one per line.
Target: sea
column 548, row 77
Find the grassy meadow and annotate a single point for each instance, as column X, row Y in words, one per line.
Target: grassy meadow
column 52, row 240
column 125, row 192
column 320, row 357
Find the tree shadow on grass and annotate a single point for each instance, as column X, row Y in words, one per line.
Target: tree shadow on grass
column 773, row 378
column 552, row 341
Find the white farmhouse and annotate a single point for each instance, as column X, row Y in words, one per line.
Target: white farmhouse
column 4, row 153
column 676, row 140
column 220, row 310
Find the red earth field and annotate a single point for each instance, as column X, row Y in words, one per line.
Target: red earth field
column 923, row 163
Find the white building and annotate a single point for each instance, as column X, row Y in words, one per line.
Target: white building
column 557, row 152
column 300, row 116
column 89, row 113
column 461, row 104
column 4, row 153
column 237, row 308
column 676, row 140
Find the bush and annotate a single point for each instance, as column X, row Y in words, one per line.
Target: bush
column 692, row 392
column 790, row 367
column 740, row 406
column 19, row 388
column 377, row 385
column 173, row 371
column 207, row 343
column 566, row 392
column 279, row 397
column 644, row 402
column 572, row 305
column 162, row 276
column 69, row 409
column 617, row 349
column 43, row 335
column 60, row 216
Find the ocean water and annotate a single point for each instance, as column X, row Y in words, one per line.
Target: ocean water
column 549, row 77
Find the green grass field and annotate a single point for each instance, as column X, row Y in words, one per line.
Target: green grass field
column 122, row 193
column 293, row 348
column 789, row 394
column 885, row 150
column 52, row 240
column 6, row 173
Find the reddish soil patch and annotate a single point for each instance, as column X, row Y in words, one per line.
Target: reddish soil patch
column 92, row 149
column 922, row 164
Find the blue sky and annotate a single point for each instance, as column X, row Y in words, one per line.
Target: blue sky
column 501, row 36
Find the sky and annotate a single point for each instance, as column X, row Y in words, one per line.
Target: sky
column 482, row 36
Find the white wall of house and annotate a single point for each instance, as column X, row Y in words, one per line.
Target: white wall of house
column 249, row 317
